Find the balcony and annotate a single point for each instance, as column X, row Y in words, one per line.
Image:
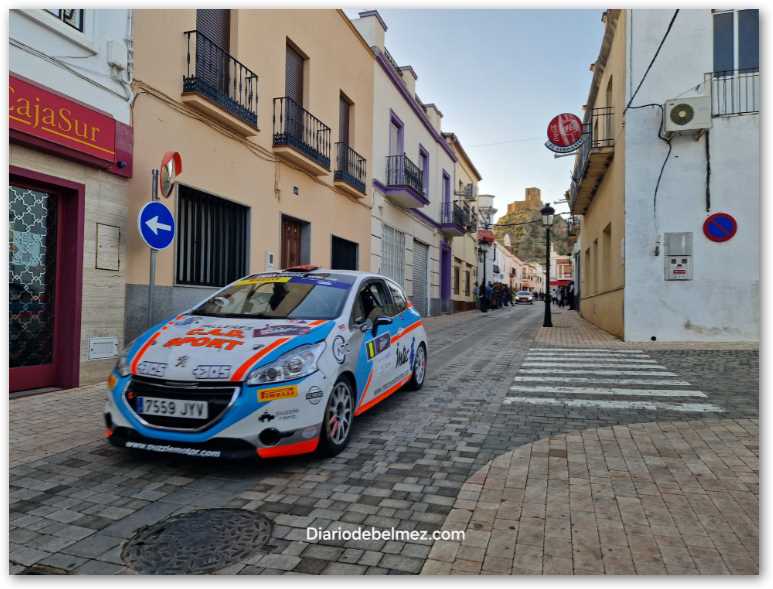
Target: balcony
column 594, row 157
column 220, row 86
column 350, row 170
column 404, row 183
column 735, row 92
column 300, row 137
column 454, row 219
column 467, row 192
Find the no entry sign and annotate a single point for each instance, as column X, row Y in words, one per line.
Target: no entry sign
column 720, row 227
column 564, row 133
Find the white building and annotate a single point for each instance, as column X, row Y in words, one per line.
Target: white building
column 712, row 56
column 413, row 180
column 70, row 153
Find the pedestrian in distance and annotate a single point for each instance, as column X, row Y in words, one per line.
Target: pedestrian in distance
column 483, row 298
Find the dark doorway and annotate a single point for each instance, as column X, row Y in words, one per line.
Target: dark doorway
column 291, row 242
column 344, row 256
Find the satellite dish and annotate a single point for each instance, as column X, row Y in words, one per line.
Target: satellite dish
column 682, row 114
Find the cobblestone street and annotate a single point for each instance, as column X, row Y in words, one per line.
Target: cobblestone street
column 574, row 455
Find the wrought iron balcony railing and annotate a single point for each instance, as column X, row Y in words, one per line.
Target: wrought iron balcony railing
column 735, row 92
column 216, row 75
column 467, row 191
column 453, row 213
column 401, row 171
column 298, row 128
column 350, row 167
column 599, row 130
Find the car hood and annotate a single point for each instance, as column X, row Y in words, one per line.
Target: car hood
column 194, row 347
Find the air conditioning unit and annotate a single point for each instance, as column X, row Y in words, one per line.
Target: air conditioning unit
column 685, row 115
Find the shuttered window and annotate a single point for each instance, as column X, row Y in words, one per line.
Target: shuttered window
column 344, row 112
column 393, row 255
column 294, row 75
column 215, row 24
column 212, row 239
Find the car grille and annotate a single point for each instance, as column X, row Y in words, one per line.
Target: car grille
column 218, row 396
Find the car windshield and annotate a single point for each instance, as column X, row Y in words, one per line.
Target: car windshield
column 279, row 297
column 523, row 293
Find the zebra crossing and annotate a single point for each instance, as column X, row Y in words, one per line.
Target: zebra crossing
column 603, row 379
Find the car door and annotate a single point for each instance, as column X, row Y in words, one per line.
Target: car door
column 376, row 361
column 404, row 347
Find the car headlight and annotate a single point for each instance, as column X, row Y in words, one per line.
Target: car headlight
column 297, row 363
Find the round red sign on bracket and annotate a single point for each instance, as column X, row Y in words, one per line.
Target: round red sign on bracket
column 171, row 167
column 565, row 133
column 720, row 227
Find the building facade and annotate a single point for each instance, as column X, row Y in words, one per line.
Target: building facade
column 656, row 264
column 465, row 247
column 414, row 218
column 71, row 158
column 275, row 138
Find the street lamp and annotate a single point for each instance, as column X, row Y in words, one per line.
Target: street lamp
column 487, row 211
column 547, row 213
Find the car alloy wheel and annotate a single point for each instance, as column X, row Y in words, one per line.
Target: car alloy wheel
column 338, row 415
column 419, row 369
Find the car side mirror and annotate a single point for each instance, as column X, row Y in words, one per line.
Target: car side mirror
column 383, row 320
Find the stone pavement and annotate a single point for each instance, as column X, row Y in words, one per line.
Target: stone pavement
column 650, row 498
column 570, row 330
column 75, row 503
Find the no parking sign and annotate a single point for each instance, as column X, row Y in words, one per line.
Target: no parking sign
column 720, row 227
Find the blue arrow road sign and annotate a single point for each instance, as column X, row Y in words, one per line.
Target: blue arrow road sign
column 156, row 225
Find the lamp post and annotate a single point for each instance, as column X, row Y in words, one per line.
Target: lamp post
column 483, row 247
column 547, row 213
column 487, row 212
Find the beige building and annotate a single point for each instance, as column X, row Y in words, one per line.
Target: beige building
column 271, row 111
column 598, row 186
column 464, row 247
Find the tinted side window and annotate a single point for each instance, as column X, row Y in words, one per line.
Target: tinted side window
column 372, row 301
column 399, row 303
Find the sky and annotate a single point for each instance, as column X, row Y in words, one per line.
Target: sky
column 499, row 76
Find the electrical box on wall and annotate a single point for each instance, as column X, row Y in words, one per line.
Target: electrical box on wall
column 678, row 256
column 270, row 261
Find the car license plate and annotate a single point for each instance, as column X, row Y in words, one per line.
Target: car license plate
column 172, row 408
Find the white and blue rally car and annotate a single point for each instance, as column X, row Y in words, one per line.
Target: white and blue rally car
column 274, row 364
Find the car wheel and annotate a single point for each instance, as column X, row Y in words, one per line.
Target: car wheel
column 419, row 369
column 337, row 421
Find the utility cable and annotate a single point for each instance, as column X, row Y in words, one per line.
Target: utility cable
column 652, row 61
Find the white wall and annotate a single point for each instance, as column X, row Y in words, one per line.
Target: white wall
column 73, row 63
column 722, row 301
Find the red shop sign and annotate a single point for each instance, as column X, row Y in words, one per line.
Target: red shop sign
column 51, row 117
column 565, row 133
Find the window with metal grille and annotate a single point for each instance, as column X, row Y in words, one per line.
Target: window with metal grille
column 466, row 283
column 457, row 275
column 393, row 255
column 69, row 16
column 212, row 239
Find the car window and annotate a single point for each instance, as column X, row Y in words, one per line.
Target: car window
column 399, row 303
column 372, row 301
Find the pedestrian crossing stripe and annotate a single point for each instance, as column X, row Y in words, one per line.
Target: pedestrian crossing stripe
column 590, row 360
column 592, row 365
column 626, row 381
column 610, row 404
column 604, row 372
column 559, row 390
column 587, row 350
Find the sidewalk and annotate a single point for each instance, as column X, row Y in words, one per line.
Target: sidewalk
column 649, row 498
column 571, row 330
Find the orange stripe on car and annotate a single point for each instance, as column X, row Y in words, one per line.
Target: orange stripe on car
column 242, row 370
column 363, row 408
column 293, row 449
column 407, row 330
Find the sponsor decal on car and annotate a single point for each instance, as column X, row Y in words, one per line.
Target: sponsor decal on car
column 276, row 393
column 278, row 330
column 212, row 371
column 314, row 395
column 146, row 368
column 340, row 349
column 201, row 337
column 378, row 345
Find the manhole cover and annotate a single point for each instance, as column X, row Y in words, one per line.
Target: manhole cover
column 197, row 542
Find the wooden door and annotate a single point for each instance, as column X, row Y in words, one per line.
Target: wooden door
column 291, row 243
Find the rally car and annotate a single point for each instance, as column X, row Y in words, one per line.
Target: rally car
column 274, row 364
column 524, row 296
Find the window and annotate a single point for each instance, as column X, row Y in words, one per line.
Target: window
column 372, row 301
column 587, row 278
column 446, row 190
column 395, row 135
column 294, row 66
column 393, row 254
column 399, row 304
column 466, row 283
column 69, row 16
column 212, row 239
column 457, row 273
column 607, row 256
column 736, row 41
column 424, row 165
column 344, row 119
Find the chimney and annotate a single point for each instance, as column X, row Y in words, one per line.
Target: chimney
column 372, row 27
column 409, row 77
column 434, row 115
